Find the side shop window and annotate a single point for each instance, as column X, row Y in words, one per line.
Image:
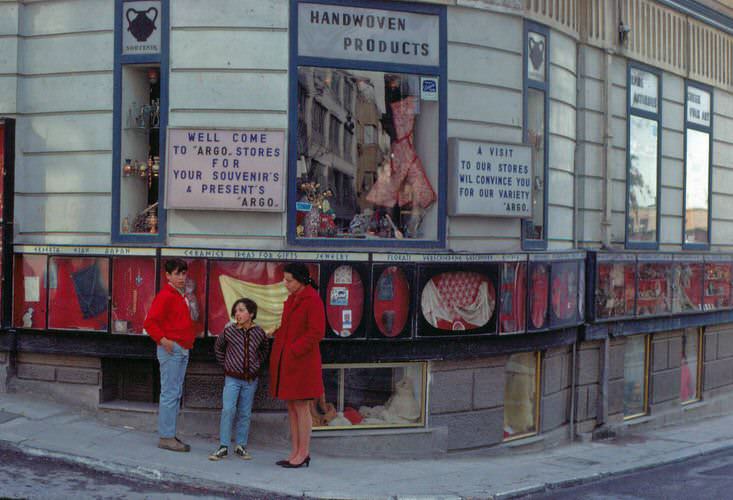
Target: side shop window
column 643, row 158
column 636, row 368
column 366, row 158
column 140, row 118
column 536, row 120
column 384, row 395
column 521, row 395
column 690, row 365
column 698, row 133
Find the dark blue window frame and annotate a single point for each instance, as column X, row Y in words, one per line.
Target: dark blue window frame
column 440, row 71
column 120, row 61
column 544, row 87
column 708, row 130
column 643, row 245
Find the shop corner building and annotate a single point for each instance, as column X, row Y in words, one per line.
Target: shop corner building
column 517, row 211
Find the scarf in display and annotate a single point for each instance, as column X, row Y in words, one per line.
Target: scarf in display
column 270, row 299
column 90, row 292
column 404, row 181
column 459, row 301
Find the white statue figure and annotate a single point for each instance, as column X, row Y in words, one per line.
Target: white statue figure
column 28, row 318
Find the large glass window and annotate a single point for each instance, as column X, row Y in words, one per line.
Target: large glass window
column 690, row 365
column 521, row 395
column 698, row 127
column 388, row 189
column 536, row 82
column 369, row 145
column 635, row 376
column 384, row 395
column 643, row 159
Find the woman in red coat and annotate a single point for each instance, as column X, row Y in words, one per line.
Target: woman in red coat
column 295, row 361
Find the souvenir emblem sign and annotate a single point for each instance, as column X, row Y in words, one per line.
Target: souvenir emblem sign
column 141, row 27
column 536, row 54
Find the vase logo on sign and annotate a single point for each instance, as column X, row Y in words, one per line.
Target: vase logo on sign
column 536, row 53
column 141, row 25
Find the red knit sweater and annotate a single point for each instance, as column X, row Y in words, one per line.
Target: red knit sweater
column 169, row 317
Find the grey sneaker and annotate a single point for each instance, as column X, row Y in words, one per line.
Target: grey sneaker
column 242, row 452
column 222, row 452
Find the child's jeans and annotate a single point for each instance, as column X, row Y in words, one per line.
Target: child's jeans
column 236, row 400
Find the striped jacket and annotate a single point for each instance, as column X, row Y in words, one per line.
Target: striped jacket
column 242, row 352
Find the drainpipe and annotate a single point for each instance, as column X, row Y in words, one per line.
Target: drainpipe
column 606, row 159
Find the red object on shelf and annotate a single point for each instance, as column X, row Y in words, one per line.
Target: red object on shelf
column 538, row 298
column 133, row 290
column 32, row 267
column 65, row 310
column 344, row 301
column 391, row 301
column 513, row 297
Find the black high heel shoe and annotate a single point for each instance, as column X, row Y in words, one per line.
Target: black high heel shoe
column 306, row 461
column 282, row 463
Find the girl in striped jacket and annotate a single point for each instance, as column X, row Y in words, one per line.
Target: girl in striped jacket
column 241, row 349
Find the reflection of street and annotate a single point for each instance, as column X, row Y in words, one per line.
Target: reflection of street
column 709, row 476
column 23, row 476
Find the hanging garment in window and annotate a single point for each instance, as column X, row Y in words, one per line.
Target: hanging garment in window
column 90, row 292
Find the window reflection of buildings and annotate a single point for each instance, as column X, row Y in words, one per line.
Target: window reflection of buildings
column 373, row 144
column 326, row 102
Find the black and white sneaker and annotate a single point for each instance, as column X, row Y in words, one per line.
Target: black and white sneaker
column 242, row 452
column 222, row 452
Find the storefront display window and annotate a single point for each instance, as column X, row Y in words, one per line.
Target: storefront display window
column 698, row 135
column 687, row 287
column 457, row 302
column 384, row 395
column 29, row 291
column 654, row 289
column 537, row 85
column 78, row 289
column 690, row 365
column 390, row 190
column 615, row 289
column 345, row 301
column 194, row 292
column 261, row 281
column 133, row 290
column 717, row 292
column 635, row 375
column 392, row 305
column 564, row 293
column 368, row 157
column 539, row 292
column 513, row 297
column 643, row 159
column 521, row 394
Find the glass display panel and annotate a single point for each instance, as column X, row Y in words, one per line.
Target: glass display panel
column 534, row 228
column 654, row 289
column 687, row 287
column 384, row 186
column 257, row 280
column 642, row 181
column 564, row 293
column 635, row 368
column 717, row 294
column 697, row 181
column 513, row 311
column 78, row 290
column 689, row 365
column 30, row 285
column 615, row 290
column 520, row 395
column 539, row 292
column 194, row 292
column 133, row 290
column 372, row 396
column 392, row 302
column 458, row 301
column 344, row 301
column 139, row 162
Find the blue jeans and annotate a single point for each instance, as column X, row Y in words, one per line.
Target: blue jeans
column 242, row 391
column 172, row 372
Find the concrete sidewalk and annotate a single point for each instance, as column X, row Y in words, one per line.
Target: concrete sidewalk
column 42, row 427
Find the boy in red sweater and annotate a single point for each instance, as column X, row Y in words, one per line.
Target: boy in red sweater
column 169, row 324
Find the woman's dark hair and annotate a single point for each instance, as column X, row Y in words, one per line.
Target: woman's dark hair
column 300, row 273
column 173, row 265
column 250, row 304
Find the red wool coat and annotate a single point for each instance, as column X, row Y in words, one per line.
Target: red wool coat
column 295, row 360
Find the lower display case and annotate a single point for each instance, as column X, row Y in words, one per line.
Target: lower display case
column 371, row 396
